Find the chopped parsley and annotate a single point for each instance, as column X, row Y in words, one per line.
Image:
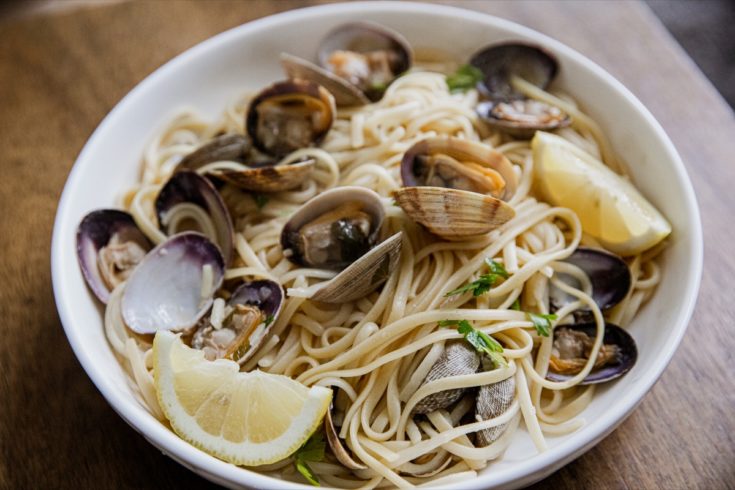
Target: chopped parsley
column 485, row 281
column 516, row 305
column 260, row 200
column 268, row 320
column 541, row 322
column 465, row 78
column 311, row 451
column 482, row 342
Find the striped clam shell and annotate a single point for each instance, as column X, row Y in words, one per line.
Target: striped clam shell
column 492, row 401
column 457, row 359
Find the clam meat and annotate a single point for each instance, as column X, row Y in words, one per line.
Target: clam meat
column 243, row 322
column 506, row 108
column 572, row 348
column 456, row 188
column 289, row 115
column 356, row 62
column 340, row 230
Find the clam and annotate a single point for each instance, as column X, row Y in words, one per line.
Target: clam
column 457, row 359
column 572, row 347
column 174, row 285
column 189, row 202
column 609, row 274
column 248, row 315
column 357, row 62
column 492, row 401
column 338, row 448
column 109, row 247
column 456, row 188
column 508, row 109
column 289, row 115
column 282, row 176
column 339, row 230
column 227, row 147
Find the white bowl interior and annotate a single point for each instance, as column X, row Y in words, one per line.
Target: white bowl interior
column 211, row 75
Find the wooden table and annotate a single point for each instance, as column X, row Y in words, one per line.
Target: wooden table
column 62, row 70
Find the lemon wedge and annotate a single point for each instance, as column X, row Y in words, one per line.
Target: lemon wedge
column 248, row 419
column 608, row 206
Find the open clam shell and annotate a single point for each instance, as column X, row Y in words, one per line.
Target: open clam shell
column 274, row 178
column 368, row 55
column 609, row 274
column 459, row 164
column 499, row 63
column 457, row 359
column 289, row 115
column 345, row 94
column 109, row 246
column 329, row 246
column 255, row 306
column 338, row 449
column 453, row 214
column 172, row 288
column 365, row 274
column 619, row 345
column 189, row 202
column 227, row 147
column 521, row 118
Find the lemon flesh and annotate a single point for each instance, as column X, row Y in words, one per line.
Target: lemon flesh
column 247, row 419
column 608, row 206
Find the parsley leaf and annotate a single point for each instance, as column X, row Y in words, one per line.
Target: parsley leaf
column 268, row 320
column 485, row 281
column 497, row 268
column 312, row 450
column 465, row 78
column 541, row 322
column 260, row 200
column 516, row 305
column 482, row 342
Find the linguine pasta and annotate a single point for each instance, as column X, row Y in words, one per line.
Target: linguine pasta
column 376, row 351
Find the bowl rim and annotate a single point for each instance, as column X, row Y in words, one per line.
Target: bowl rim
column 534, row 468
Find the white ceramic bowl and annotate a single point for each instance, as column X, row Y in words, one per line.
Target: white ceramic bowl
column 211, row 74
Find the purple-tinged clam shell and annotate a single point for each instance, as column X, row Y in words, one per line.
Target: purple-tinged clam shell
column 174, row 285
column 609, row 274
column 619, row 345
column 500, row 62
column 254, row 307
column 289, row 115
column 173, row 208
column 109, row 247
column 265, row 294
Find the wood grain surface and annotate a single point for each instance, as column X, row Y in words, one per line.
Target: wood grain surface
column 62, row 71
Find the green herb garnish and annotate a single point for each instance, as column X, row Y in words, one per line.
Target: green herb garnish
column 311, row 451
column 268, row 320
column 516, row 305
column 485, row 282
column 542, row 322
column 465, row 78
column 482, row 342
column 260, row 200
